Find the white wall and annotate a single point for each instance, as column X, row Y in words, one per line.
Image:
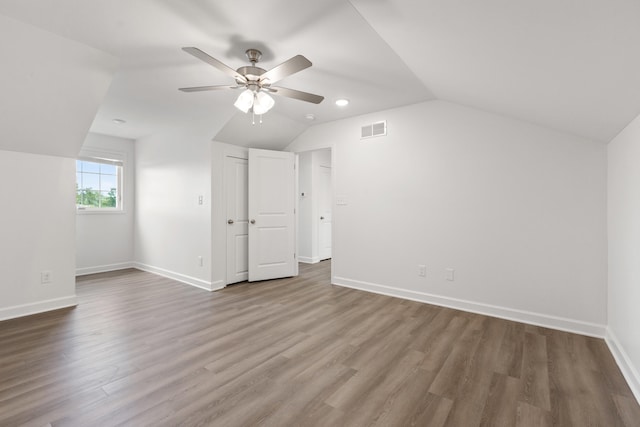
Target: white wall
column 36, row 233
column 624, row 251
column 104, row 241
column 517, row 210
column 48, row 102
column 171, row 229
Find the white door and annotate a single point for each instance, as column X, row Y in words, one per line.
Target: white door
column 271, row 215
column 324, row 208
column 236, row 181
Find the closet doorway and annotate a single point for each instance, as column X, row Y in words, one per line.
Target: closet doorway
column 315, row 201
column 260, row 216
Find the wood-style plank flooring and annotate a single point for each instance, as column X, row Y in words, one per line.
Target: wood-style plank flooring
column 143, row 350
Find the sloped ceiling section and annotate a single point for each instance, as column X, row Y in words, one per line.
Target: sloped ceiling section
column 350, row 60
column 275, row 132
column 51, row 89
column 568, row 65
column 564, row 64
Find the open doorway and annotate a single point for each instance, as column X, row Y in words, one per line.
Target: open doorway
column 315, row 197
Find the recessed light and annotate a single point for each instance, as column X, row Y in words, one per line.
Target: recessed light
column 119, row 121
column 342, row 102
column 310, row 117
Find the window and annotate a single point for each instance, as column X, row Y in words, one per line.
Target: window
column 98, row 184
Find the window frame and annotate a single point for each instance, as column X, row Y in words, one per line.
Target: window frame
column 115, row 159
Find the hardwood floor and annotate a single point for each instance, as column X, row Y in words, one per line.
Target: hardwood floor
column 144, row 350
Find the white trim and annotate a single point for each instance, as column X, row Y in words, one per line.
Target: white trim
column 100, row 211
column 103, row 268
column 624, row 362
column 217, row 285
column 37, row 307
column 537, row 319
column 108, row 155
column 309, row 260
column 193, row 281
column 238, row 153
column 117, row 158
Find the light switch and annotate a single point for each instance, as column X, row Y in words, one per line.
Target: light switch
column 449, row 274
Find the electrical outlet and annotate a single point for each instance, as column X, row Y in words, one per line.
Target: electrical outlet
column 449, row 274
column 200, row 261
column 46, row 277
column 200, row 200
column 422, row 270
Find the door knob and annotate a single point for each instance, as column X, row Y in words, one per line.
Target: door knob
column 230, row 221
column 321, row 217
column 253, row 221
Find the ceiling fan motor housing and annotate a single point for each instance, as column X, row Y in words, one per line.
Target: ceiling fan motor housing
column 252, row 74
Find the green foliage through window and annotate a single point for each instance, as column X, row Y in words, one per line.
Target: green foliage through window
column 97, row 184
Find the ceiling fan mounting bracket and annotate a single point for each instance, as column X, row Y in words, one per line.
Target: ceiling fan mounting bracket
column 254, row 55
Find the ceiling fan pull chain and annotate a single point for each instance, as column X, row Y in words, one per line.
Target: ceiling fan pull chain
column 260, row 118
column 253, row 117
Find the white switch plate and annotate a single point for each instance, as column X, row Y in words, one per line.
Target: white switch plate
column 46, row 277
column 449, row 274
column 422, row 270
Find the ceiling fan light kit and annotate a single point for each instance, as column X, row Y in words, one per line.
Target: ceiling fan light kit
column 244, row 101
column 262, row 103
column 256, row 81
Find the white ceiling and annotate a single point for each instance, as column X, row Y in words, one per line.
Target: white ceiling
column 564, row 64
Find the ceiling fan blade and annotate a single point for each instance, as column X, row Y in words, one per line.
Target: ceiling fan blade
column 296, row 94
column 214, row 62
column 287, row 68
column 204, row 88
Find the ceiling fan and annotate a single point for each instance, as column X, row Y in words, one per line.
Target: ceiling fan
column 256, row 81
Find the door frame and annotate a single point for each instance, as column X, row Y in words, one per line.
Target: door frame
column 221, row 150
column 318, row 214
column 312, row 212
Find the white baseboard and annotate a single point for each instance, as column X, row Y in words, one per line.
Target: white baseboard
column 309, row 260
column 537, row 319
column 37, row 307
column 103, row 268
column 624, row 363
column 193, row 281
column 217, row 285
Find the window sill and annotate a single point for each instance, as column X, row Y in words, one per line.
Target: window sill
column 100, row 211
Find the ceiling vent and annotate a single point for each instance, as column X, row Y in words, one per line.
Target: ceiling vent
column 374, row 129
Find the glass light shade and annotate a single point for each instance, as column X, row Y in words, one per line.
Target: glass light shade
column 262, row 103
column 244, row 101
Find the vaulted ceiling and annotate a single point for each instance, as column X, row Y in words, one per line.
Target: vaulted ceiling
column 565, row 64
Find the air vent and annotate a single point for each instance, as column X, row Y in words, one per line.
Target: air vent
column 374, row 129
